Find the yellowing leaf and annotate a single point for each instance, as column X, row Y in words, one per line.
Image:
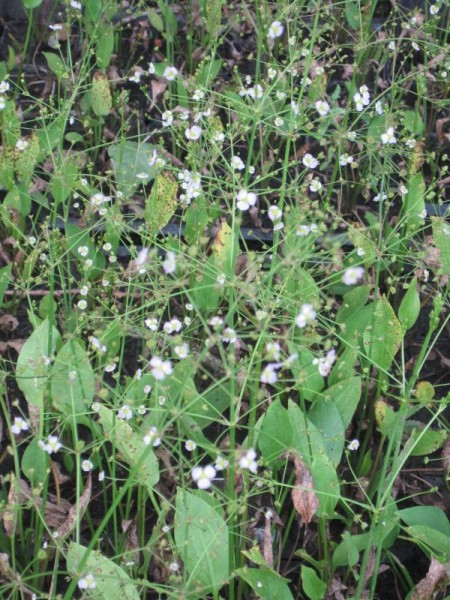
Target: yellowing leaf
column 162, row 202
column 101, row 99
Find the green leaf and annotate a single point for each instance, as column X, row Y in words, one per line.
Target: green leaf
column 409, row 309
column 112, row 582
column 313, row 586
column 131, row 446
column 360, row 239
column 352, row 301
column 76, row 237
column 441, row 238
column 437, row 542
column 129, row 159
column 201, row 537
column 412, row 121
column 208, row 71
column 275, row 436
column 383, row 336
column 344, row 368
column 347, row 552
column 162, row 202
column 308, row 380
column 101, row 99
column 32, row 363
column 5, row 277
column 35, row 463
column 428, row 441
column 72, row 380
column 353, row 14
column 430, row 516
column 414, row 201
column 31, row 3
column 63, row 180
column 327, row 419
column 56, row 65
column 266, row 583
column 345, row 397
column 104, row 46
column 155, row 20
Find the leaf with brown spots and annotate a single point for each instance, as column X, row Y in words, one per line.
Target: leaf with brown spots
column 303, row 496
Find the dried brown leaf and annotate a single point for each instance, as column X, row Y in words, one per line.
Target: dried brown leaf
column 446, row 456
column 158, row 87
column 304, row 498
column 76, row 511
column 8, row 323
column 437, row 576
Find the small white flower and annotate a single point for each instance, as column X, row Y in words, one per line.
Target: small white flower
column 110, row 367
column 389, row 136
column 245, row 199
column 353, row 445
column 174, row 566
column 352, row 275
column 274, row 213
column 142, row 176
column 193, row 133
column 19, row 425
column 101, row 476
column 237, row 163
column 229, row 336
column 77, row 6
column 83, row 250
column 170, row 73
column 269, row 375
column 322, row 107
column 434, row 9
column 415, row 46
column 221, row 463
column 82, row 304
column 303, row 230
column 151, row 69
column 391, row 46
column 273, row 351
column 98, row 199
column 275, row 30
column 88, row 581
column 2, row 103
column 170, row 263
column 295, row 108
column 221, row 279
column 203, row 476
column 4, row 87
column 216, row 321
column 403, row 189
column 198, row 95
column 96, row 343
column 152, row 438
column 411, row 143
column 351, row 135
column 325, row 363
column 167, row 118
column 315, row 185
column 271, row 73
column 52, row 446
column 160, row 368
column 218, row 136
column 306, row 316
column 55, row 26
column 379, row 108
column 125, row 413
column 182, row 350
column 260, row 315
column 107, row 247
column 309, row 161
column 190, row 445
column 136, row 77
column 21, row 145
column 172, row 326
column 360, row 251
column 345, row 159
column 87, row 466
column 249, row 461
column 379, row 197
column 279, row 122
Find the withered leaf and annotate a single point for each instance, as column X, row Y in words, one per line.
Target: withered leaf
column 76, row 511
column 304, row 498
column 437, row 575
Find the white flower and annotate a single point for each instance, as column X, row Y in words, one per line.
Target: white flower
column 198, row 95
column 110, row 367
column 248, row 461
column 415, row 46
column 360, row 251
column 309, row 161
column 167, row 118
column 174, row 566
column 391, row 46
column 160, row 368
column 170, row 264
column 151, row 69
column 136, row 77
column 256, row 92
column 170, row 73
column 2, row 103
column 216, row 321
column 271, row 73
column 351, row 135
column 260, row 315
column 96, row 343
column 55, row 26
column 273, row 351
column 203, row 476
column 352, row 275
column 275, row 30
column 229, row 336
column 434, row 9
column 221, row 463
column 87, row 466
column 306, row 316
column 379, row 197
column 98, row 199
column 411, row 143
column 403, row 189
column 77, row 6
column 21, row 145
column 322, row 107
column 125, row 413
column 152, row 437
column 142, row 176
column 315, row 185
column 303, row 230
column 190, row 445
column 389, row 136
column 274, row 213
column 82, row 304
column 237, row 163
column 353, row 445
column 269, row 375
column 295, row 108
column 221, row 279
column 218, row 136
column 245, row 199
column 52, row 445
column 325, row 363
column 172, row 326
column 379, row 108
column 279, row 122
column 193, row 133
column 83, row 250
column 19, row 425
column 182, row 350
column 4, row 87
column 345, row 159
column 87, row 582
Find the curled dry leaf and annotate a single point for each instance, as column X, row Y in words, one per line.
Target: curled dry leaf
column 8, row 323
column 304, row 498
column 438, row 574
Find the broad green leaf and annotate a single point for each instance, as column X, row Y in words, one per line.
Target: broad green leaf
column 131, row 446
column 31, row 3
column 353, row 14
column 430, row 516
column 224, row 249
column 313, row 586
column 345, row 397
column 33, row 362
column 441, row 237
column 201, row 537
column 326, row 484
column 50, row 135
column 347, row 552
column 104, row 45
column 267, row 584
column 63, row 180
column 72, row 380
column 355, row 323
column 299, row 287
column 409, row 309
column 93, row 9
column 35, row 463
column 276, row 435
column 209, row 69
column 76, row 237
column 325, row 416
column 162, row 202
column 56, row 65
column 360, row 239
column 155, row 20
column 414, row 201
column 428, row 441
column 101, row 98
column 308, row 380
column 344, row 368
column 412, row 121
column 383, row 335
column 430, row 538
column 112, row 582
